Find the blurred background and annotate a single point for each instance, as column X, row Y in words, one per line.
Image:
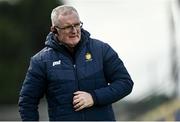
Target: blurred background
column 145, row 33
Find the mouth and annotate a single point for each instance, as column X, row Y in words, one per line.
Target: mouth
column 74, row 36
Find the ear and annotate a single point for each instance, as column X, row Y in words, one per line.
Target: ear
column 54, row 30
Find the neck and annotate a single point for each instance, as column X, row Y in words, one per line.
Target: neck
column 71, row 49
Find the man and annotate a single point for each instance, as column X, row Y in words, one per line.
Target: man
column 80, row 76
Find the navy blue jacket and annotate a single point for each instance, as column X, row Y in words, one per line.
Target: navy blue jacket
column 95, row 68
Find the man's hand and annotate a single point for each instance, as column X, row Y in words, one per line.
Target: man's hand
column 82, row 100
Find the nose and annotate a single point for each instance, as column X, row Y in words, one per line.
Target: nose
column 73, row 28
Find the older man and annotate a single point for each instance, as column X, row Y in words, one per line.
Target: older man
column 80, row 76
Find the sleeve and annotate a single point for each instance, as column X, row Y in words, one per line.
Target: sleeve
column 120, row 82
column 33, row 89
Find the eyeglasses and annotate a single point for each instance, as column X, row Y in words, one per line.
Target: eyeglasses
column 70, row 27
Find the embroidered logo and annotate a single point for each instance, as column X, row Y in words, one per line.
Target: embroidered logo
column 56, row 63
column 88, row 56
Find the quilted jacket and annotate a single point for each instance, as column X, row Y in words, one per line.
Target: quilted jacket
column 54, row 72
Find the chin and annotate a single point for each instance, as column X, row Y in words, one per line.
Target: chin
column 73, row 44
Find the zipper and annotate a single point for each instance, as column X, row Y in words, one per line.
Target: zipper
column 74, row 66
column 75, row 74
column 76, row 80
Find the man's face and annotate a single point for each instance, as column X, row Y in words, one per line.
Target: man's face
column 69, row 31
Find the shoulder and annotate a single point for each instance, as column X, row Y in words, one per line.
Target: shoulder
column 98, row 44
column 43, row 54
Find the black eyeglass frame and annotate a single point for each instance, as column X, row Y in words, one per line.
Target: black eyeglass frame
column 77, row 25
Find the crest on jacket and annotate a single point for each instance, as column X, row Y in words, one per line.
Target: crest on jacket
column 88, row 56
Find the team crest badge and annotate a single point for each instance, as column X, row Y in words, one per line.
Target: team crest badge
column 88, row 56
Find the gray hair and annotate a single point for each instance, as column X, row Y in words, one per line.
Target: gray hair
column 61, row 10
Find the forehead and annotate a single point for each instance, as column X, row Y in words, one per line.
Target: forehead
column 69, row 18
